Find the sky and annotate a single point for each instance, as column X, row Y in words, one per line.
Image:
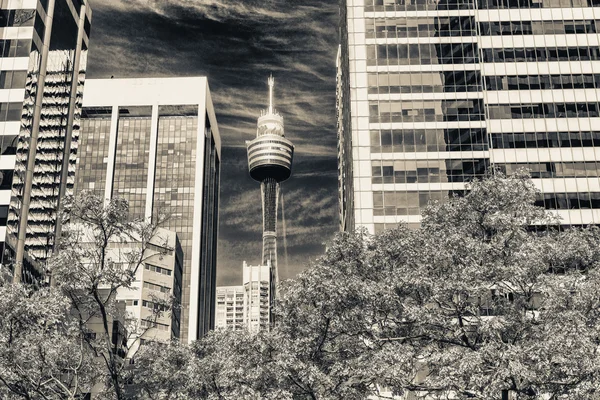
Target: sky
column 237, row 44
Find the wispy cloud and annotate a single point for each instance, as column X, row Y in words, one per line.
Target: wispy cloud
column 218, row 10
column 236, row 44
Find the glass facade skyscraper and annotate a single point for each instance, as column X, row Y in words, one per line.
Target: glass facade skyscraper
column 158, row 143
column 42, row 72
column 432, row 94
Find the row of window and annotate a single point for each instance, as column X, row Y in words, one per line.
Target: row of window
column 96, row 112
column 426, row 111
column 403, row 27
column 3, row 215
column 583, row 53
column 269, row 157
column 13, row 79
column 566, row 201
column 255, row 151
column 159, row 249
column 130, row 303
column 470, row 81
column 152, row 324
column 532, row 140
column 417, row 5
column 8, row 144
column 263, row 142
column 537, row 82
column 405, row 202
column 544, row 110
column 412, row 202
column 427, row 171
column 15, row 47
column 421, row 5
column 16, row 18
column 157, row 269
column 565, row 169
column 422, row 54
column 10, row 111
column 380, row 227
column 460, row 170
column 416, row 140
column 158, row 288
column 424, row 82
column 6, row 178
column 153, row 306
column 504, row 4
column 495, row 28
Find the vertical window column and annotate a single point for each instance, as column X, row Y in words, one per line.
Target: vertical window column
column 152, row 163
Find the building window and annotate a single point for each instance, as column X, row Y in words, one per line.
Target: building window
column 10, row 111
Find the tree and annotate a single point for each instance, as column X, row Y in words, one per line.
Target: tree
column 475, row 303
column 100, row 253
column 72, row 338
column 221, row 365
column 42, row 354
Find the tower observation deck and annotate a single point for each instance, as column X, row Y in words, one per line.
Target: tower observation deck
column 270, row 162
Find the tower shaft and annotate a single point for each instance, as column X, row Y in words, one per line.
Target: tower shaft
column 270, row 196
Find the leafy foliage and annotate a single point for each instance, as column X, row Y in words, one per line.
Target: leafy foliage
column 474, row 303
column 42, row 354
column 61, row 341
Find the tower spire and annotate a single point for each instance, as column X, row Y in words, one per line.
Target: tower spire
column 270, row 163
column 271, row 82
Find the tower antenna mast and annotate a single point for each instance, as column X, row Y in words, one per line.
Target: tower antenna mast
column 271, row 84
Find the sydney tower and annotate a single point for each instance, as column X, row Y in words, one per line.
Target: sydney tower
column 270, row 162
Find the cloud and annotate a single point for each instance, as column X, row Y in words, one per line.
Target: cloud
column 236, row 44
column 217, row 10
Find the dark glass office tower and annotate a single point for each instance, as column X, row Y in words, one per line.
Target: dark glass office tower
column 158, row 143
column 437, row 92
column 43, row 67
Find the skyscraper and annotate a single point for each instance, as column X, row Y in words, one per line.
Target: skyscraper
column 431, row 94
column 270, row 162
column 155, row 142
column 257, row 289
column 42, row 71
column 247, row 306
column 230, row 306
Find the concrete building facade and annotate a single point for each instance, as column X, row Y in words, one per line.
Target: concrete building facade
column 248, row 306
column 157, row 281
column 257, row 291
column 156, row 143
column 231, row 303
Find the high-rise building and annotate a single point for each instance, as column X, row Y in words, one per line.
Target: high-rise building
column 231, row 302
column 257, row 289
column 155, row 143
column 157, row 281
column 270, row 162
column 42, row 70
column 246, row 307
column 431, row 94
